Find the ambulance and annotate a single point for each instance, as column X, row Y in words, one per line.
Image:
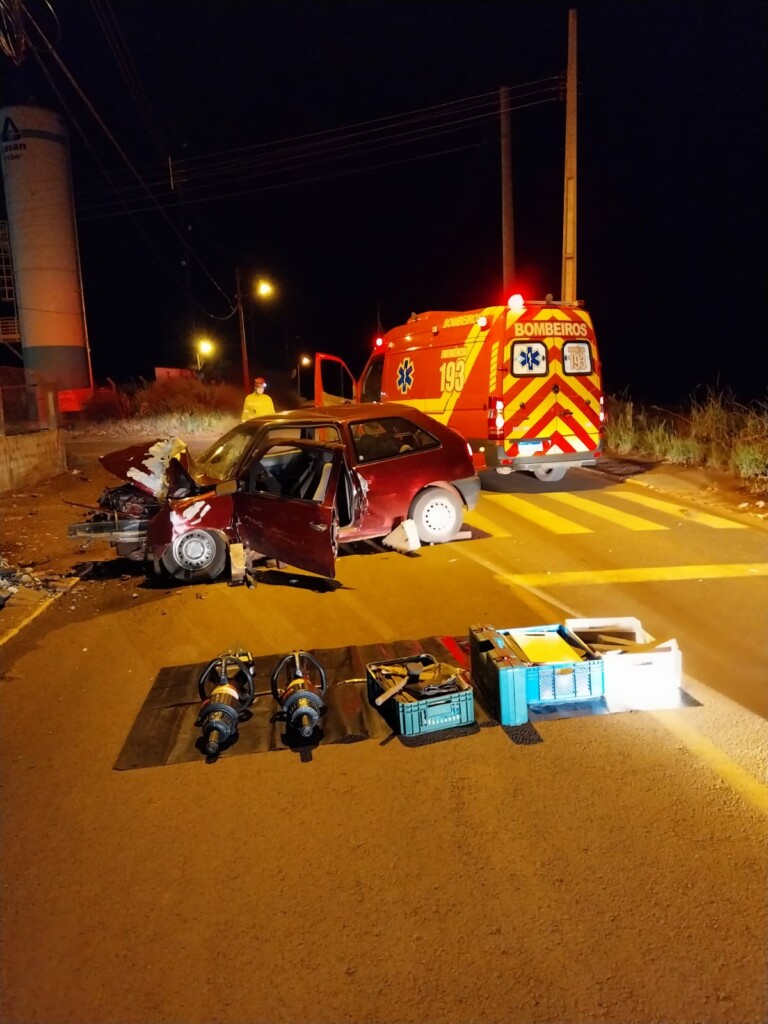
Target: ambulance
column 520, row 382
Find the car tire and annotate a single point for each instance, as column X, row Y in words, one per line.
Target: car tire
column 437, row 514
column 549, row 474
column 198, row 556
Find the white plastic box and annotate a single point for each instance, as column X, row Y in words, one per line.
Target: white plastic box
column 642, row 680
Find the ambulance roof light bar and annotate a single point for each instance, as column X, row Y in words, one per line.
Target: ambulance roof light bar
column 548, row 300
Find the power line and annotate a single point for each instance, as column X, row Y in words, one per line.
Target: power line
column 291, row 147
column 120, row 150
column 195, row 191
column 325, row 177
column 111, row 29
column 95, row 156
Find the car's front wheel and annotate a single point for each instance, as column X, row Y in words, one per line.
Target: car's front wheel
column 198, row 556
column 437, row 514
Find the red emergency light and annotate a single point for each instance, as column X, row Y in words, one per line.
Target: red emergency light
column 515, row 302
column 379, row 342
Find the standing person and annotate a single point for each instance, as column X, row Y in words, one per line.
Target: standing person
column 258, row 403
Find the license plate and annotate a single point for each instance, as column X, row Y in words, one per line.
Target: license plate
column 529, row 447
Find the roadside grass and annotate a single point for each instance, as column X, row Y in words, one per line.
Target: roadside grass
column 716, row 432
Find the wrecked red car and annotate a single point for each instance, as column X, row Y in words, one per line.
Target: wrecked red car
column 290, row 487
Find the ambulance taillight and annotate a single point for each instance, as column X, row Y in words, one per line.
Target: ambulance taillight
column 495, row 419
column 602, row 409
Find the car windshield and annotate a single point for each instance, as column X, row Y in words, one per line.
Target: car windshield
column 223, row 457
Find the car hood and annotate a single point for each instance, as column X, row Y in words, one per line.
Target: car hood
column 163, row 468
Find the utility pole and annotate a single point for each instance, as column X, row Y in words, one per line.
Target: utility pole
column 507, row 215
column 243, row 347
column 568, row 287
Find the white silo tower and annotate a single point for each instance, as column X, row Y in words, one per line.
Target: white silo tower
column 46, row 265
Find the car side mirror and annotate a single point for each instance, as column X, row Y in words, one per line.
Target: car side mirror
column 227, row 487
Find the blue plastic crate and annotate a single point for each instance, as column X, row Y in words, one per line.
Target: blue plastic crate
column 564, row 680
column 427, row 714
column 510, row 684
column 499, row 675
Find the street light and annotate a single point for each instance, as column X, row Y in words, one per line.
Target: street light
column 303, row 361
column 204, row 348
column 263, row 289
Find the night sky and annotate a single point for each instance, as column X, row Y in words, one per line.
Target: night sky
column 350, row 151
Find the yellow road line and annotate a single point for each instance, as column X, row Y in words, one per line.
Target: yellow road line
column 658, row 573
column 739, row 780
column 734, row 776
column 536, row 514
column 613, row 515
column 689, row 514
column 46, row 603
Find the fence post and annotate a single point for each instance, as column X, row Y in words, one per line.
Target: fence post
column 52, row 405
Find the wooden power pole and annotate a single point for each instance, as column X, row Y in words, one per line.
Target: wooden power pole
column 507, row 215
column 568, row 290
column 243, row 345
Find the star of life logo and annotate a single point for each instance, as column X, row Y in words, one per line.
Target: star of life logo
column 529, row 358
column 405, row 376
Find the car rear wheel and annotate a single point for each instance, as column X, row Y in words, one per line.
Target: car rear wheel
column 550, row 474
column 437, row 514
column 196, row 557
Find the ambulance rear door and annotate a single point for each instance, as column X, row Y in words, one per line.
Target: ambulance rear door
column 552, row 396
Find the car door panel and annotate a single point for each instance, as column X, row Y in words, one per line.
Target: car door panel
column 300, row 531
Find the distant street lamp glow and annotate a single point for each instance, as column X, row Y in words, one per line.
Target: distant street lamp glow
column 205, row 347
column 303, row 361
column 262, row 289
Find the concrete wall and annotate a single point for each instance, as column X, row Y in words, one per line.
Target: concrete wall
column 29, row 459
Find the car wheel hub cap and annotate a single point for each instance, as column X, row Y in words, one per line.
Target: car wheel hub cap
column 439, row 516
column 194, row 551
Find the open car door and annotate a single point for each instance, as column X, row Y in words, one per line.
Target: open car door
column 334, row 384
column 286, row 505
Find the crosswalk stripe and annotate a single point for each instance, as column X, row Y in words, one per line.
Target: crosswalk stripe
column 669, row 508
column 485, row 524
column 612, row 515
column 537, row 514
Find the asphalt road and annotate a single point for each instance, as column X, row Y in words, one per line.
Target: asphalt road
column 612, row 870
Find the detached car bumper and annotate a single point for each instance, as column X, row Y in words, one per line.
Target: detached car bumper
column 469, row 489
column 127, row 536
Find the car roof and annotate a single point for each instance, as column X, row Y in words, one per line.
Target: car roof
column 351, row 412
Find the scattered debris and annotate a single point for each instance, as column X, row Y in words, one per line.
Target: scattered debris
column 12, row 578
